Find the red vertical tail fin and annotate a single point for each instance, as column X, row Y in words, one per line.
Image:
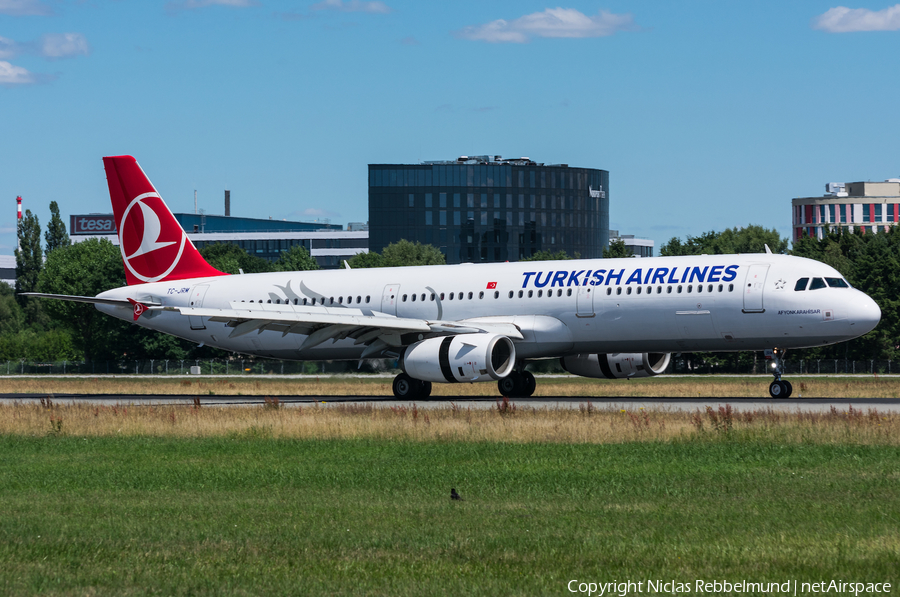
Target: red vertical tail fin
column 154, row 246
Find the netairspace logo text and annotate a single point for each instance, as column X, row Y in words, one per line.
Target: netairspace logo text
column 718, row 587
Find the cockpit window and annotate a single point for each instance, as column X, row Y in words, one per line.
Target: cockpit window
column 837, row 283
column 817, row 283
column 801, row 284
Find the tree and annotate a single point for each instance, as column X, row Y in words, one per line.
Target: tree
column 404, row 253
column 296, row 259
column 365, row 260
column 86, row 269
column 12, row 319
column 617, row 249
column 28, row 267
column 230, row 258
column 56, row 235
column 549, row 256
column 751, row 239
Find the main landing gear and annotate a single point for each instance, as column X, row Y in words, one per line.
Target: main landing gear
column 780, row 388
column 406, row 387
column 518, row 384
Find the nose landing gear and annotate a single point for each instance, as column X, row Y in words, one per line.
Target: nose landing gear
column 780, row 388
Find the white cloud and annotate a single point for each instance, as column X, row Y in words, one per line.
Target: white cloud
column 553, row 22
column 63, row 45
column 845, row 20
column 314, row 212
column 352, row 6
column 23, row 8
column 191, row 4
column 8, row 48
column 15, row 75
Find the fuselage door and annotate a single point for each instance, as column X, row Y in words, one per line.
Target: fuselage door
column 197, row 294
column 753, row 288
column 584, row 301
column 389, row 299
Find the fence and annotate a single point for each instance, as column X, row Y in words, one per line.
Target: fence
column 791, row 367
column 184, row 367
column 678, row 365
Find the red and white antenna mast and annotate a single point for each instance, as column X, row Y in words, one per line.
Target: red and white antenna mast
column 19, row 208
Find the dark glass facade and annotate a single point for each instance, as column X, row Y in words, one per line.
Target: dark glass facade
column 490, row 211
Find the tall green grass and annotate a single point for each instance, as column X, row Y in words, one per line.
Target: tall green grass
column 248, row 514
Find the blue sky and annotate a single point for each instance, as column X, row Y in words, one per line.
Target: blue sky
column 707, row 114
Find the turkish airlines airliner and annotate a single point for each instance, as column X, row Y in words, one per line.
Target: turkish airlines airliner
column 603, row 318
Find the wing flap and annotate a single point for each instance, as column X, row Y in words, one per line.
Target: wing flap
column 324, row 317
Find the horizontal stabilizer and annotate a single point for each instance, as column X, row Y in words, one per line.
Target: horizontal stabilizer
column 89, row 299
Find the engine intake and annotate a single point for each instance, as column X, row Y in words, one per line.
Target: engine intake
column 617, row 365
column 464, row 357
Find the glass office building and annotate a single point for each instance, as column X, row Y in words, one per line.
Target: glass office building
column 490, row 209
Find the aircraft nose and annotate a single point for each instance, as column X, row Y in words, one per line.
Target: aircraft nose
column 865, row 315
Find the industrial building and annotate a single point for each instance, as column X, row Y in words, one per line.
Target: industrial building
column 637, row 245
column 490, row 209
column 8, row 269
column 867, row 207
column 328, row 243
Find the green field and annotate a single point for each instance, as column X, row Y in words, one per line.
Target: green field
column 249, row 514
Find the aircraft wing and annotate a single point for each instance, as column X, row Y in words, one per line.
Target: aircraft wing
column 378, row 331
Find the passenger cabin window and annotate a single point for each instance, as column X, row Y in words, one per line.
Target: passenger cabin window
column 801, row 284
column 837, row 283
column 817, row 283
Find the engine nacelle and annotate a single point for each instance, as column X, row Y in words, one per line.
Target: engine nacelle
column 464, row 357
column 616, row 366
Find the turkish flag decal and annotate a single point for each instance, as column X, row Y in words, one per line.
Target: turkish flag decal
column 491, row 285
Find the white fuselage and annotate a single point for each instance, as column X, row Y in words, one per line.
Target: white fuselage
column 663, row 304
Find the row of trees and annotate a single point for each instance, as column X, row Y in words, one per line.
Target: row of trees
column 56, row 330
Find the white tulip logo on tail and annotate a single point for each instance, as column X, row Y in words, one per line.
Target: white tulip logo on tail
column 150, row 263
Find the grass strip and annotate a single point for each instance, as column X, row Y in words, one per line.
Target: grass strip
column 863, row 386
column 256, row 515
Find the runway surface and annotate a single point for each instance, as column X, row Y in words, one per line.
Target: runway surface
column 562, row 402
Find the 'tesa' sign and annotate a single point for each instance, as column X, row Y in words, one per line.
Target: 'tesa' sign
column 93, row 224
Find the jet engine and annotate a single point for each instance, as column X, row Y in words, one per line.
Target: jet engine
column 615, row 366
column 463, row 357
